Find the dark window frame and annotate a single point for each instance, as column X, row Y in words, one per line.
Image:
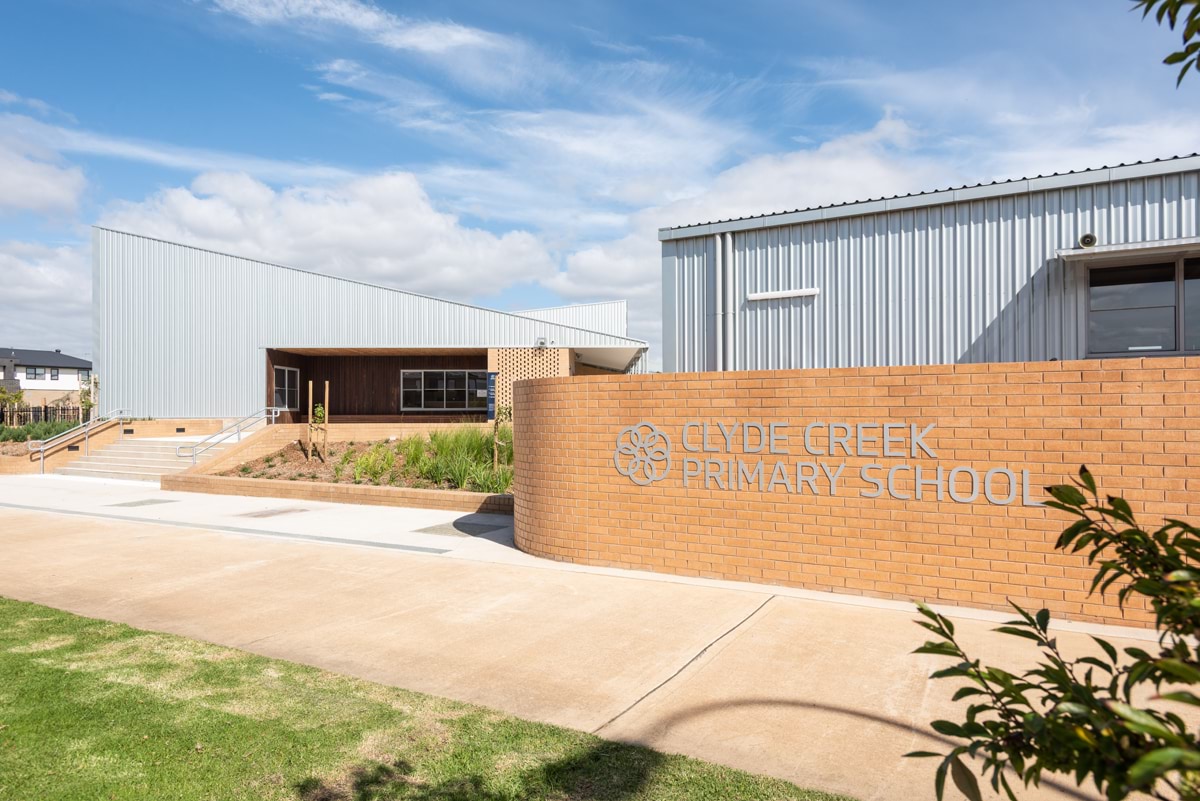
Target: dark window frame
column 85, row 376
column 39, row 374
column 291, row 392
column 1179, row 260
column 433, row 389
column 53, row 373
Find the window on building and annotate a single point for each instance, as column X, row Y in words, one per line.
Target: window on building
column 1144, row 308
column 287, row 388
column 53, row 373
column 85, row 376
column 443, row 390
column 35, row 373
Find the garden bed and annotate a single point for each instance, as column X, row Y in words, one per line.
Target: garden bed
column 454, row 459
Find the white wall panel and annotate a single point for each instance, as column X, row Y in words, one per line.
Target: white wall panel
column 182, row 332
column 930, row 280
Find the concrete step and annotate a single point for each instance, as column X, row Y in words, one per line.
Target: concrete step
column 135, row 475
column 150, row 447
column 113, row 462
column 143, row 459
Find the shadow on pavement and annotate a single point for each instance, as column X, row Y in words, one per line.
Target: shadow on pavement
column 608, row 771
column 701, row 710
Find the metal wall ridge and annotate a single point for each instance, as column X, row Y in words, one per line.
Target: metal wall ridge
column 936, row 197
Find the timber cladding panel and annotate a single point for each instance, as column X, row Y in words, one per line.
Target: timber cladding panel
column 1133, row 422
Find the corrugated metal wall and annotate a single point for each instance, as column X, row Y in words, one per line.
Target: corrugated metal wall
column 970, row 281
column 609, row 317
column 181, row 332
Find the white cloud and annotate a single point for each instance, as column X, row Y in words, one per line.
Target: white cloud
column 477, row 59
column 47, row 297
column 78, row 141
column 35, row 178
column 373, row 23
column 565, row 172
column 382, row 229
column 852, row 167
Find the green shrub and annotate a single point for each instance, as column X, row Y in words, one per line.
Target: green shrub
column 376, row 462
column 486, row 479
column 1085, row 717
column 34, row 431
column 504, row 437
column 469, row 442
column 415, row 452
column 459, row 469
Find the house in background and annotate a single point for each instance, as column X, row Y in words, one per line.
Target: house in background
column 183, row 332
column 45, row 377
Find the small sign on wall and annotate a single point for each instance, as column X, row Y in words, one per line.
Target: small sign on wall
column 491, row 396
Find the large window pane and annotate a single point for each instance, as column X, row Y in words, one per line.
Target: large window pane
column 1191, row 304
column 283, row 380
column 1132, row 330
column 435, row 389
column 476, row 390
column 456, row 389
column 411, row 389
column 1133, row 287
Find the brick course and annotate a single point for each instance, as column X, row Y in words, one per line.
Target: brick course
column 1132, row 421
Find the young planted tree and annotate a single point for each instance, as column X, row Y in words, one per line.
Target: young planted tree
column 1080, row 716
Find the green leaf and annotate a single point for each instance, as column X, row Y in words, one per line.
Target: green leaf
column 1086, row 477
column 1071, row 708
column 939, row 780
column 1182, row 696
column 938, row 649
column 1160, row 761
column 920, row 754
column 1016, row 632
column 1043, row 619
column 1108, row 649
column 1182, row 575
column 1067, row 494
column 1180, row 670
column 964, row 780
column 1121, row 506
column 947, row 728
column 1141, row 721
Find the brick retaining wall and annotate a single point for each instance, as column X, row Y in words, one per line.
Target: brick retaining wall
column 1134, row 422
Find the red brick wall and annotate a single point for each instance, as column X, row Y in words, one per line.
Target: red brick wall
column 1134, row 422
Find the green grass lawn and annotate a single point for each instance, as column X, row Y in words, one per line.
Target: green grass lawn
column 96, row 710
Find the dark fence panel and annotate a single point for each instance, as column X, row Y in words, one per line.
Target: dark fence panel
column 24, row 415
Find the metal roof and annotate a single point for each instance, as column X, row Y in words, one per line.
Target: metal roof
column 44, row 358
column 1010, row 186
column 369, row 285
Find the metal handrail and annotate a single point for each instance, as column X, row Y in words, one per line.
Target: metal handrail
column 40, row 446
column 203, row 445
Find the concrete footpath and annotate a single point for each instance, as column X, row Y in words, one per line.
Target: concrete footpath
column 820, row 691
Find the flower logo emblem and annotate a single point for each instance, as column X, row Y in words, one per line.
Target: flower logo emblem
column 643, row 454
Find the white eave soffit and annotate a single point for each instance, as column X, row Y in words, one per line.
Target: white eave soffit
column 1152, row 248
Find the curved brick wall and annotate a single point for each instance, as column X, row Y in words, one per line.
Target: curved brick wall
column 1127, row 419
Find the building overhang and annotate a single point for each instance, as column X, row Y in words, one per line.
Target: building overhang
column 616, row 359
column 1156, row 247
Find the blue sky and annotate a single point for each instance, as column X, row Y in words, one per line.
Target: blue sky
column 523, row 154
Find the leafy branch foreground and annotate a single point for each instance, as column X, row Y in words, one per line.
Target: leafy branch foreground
column 1081, row 717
